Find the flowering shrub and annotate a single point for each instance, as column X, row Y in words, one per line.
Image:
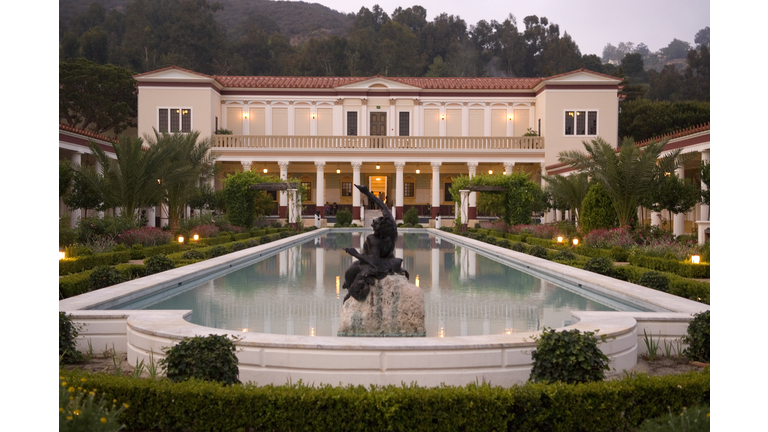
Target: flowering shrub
column 545, row 231
column 663, row 246
column 609, row 238
column 208, row 230
column 101, row 243
column 145, row 236
column 80, row 410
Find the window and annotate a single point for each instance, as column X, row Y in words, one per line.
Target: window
column 405, row 124
column 307, row 196
column 175, row 120
column 346, row 189
column 580, row 123
column 352, row 123
column 409, row 190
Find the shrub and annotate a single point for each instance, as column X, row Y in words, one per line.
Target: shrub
column 619, row 254
column 145, row 236
column 104, row 276
column 693, row 419
column 216, row 251
column 158, row 263
column 89, row 228
column 80, row 409
column 597, row 210
column 568, row 356
column 697, row 338
column 209, row 358
column 411, row 216
column 193, row 255
column 77, row 250
column 564, row 255
column 538, row 251
column 608, row 238
column 277, row 224
column 343, row 216
column 519, row 247
column 284, row 234
column 600, row 265
column 137, row 252
column 503, row 243
column 252, row 242
column 207, row 230
column 68, row 333
column 238, row 246
column 655, row 280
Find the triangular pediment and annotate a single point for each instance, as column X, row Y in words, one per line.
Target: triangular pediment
column 173, row 73
column 581, row 76
column 378, row 83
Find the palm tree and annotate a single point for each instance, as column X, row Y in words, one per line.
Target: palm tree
column 128, row 181
column 569, row 190
column 627, row 175
column 188, row 164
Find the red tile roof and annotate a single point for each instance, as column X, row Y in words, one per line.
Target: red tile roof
column 332, row 82
column 85, row 132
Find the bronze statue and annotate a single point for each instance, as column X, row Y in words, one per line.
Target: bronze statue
column 378, row 257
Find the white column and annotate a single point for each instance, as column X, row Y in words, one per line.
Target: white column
column 472, row 196
column 246, row 165
column 655, row 218
column 464, row 206
column 436, row 186
column 510, row 131
column 416, row 118
column 313, row 119
column 338, row 118
column 679, row 225
column 268, row 118
column 151, row 216
column 487, row 119
column 704, row 216
column 320, row 193
column 442, row 120
column 420, row 125
column 291, row 118
column 246, row 118
column 283, row 175
column 545, row 219
column 508, row 167
column 294, row 206
column 75, row 214
column 465, row 119
column 399, row 190
column 356, row 193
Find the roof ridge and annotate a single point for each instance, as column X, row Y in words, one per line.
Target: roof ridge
column 85, row 132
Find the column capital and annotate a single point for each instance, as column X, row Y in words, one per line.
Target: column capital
column 436, row 165
column 246, row 165
column 399, row 165
column 356, row 165
column 320, row 165
column 472, row 164
column 282, row 164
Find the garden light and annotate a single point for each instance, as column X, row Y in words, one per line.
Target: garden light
column 560, row 239
column 181, row 239
column 195, row 237
column 575, row 242
column 61, row 255
column 696, row 259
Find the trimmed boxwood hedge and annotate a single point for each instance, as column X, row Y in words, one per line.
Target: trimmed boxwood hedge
column 88, row 262
column 681, row 268
column 205, row 406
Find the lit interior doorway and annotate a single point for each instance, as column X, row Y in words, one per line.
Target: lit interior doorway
column 378, row 185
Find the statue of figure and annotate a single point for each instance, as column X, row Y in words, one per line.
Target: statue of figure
column 378, row 257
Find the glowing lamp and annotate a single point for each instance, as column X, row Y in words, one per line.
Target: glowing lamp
column 378, row 166
column 338, row 171
column 181, row 239
column 245, row 330
column 418, row 171
column 490, row 171
column 417, row 280
column 265, row 170
column 696, row 259
column 575, row 242
column 245, row 115
column 378, row 178
column 313, row 115
column 195, row 237
column 560, row 239
column 61, row 255
column 509, row 117
column 311, row 331
column 442, row 116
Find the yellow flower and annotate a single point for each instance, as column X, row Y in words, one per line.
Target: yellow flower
column 62, row 410
column 91, row 393
column 104, row 420
column 83, row 380
column 707, row 414
column 71, row 389
column 69, row 417
column 64, row 383
column 77, row 412
column 61, row 377
column 125, row 405
column 114, row 400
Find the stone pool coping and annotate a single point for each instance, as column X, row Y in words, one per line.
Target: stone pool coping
column 276, row 359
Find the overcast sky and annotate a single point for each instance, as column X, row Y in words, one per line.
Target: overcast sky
column 591, row 23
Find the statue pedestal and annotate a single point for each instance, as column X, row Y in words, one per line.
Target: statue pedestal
column 394, row 308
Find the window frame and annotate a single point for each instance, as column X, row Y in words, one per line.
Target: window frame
column 346, row 189
column 356, row 123
column 412, row 190
column 587, row 113
column 180, row 119
column 400, row 123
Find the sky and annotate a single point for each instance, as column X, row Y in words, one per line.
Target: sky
column 591, row 23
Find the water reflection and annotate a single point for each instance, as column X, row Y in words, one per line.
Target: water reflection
column 298, row 291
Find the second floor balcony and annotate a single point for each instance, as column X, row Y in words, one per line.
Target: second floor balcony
column 400, row 143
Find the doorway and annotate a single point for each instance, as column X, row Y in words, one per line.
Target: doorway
column 378, row 129
column 378, row 185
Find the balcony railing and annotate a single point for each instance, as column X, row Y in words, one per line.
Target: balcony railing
column 378, row 142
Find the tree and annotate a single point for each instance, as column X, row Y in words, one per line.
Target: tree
column 673, row 194
column 702, row 38
column 644, row 119
column 520, row 198
column 568, row 191
column 626, row 176
column 676, row 49
column 244, row 204
column 598, row 210
column 83, row 193
column 188, row 163
column 66, row 174
column 705, row 180
column 100, row 98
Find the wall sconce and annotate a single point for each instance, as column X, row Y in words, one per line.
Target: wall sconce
column 505, row 173
column 490, row 171
column 158, row 181
column 560, row 239
column 378, row 166
column 61, row 255
column 245, row 115
column 265, row 170
column 181, row 239
column 696, row 259
column 338, row 171
column 313, row 116
column 442, row 116
column 418, row 171
column 575, row 242
column 509, row 117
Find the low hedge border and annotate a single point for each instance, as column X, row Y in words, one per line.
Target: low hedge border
column 207, row 406
column 678, row 285
column 681, row 268
column 88, row 262
column 79, row 283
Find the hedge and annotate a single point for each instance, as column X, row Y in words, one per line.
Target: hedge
column 678, row 285
column 682, row 268
column 79, row 283
column 88, row 262
column 207, row 406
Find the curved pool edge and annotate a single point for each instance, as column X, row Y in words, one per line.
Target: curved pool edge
column 502, row 360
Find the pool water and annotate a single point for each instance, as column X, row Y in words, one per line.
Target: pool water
column 298, row 291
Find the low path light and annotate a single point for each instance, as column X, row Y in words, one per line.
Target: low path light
column 62, row 255
column 195, row 237
column 560, row 239
column 575, row 242
column 181, row 239
column 696, row 259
